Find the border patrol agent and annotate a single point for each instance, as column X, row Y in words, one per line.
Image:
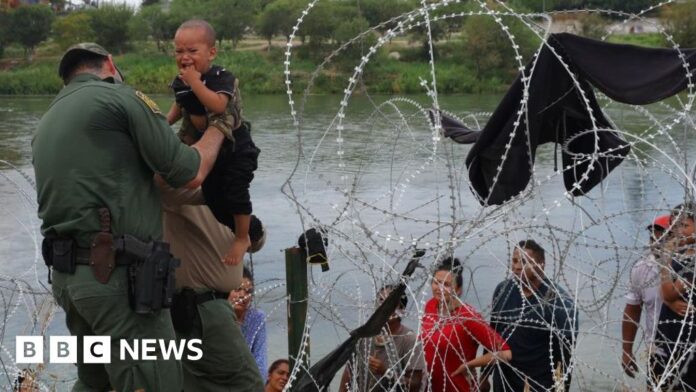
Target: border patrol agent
column 95, row 152
column 200, row 308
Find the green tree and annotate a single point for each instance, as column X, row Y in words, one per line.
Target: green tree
column 379, row 11
column 153, row 22
column 110, row 25
column 30, row 25
column 488, row 50
column 349, row 29
column 5, row 37
column 72, row 28
column 320, row 23
column 633, row 6
column 231, row 18
column 278, row 17
column 438, row 30
column 592, row 25
column 680, row 21
column 189, row 9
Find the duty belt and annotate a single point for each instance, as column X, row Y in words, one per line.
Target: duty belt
column 209, row 296
column 82, row 257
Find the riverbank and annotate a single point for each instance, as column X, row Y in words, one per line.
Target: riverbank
column 397, row 69
column 261, row 72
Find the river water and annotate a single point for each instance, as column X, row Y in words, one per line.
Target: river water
column 402, row 188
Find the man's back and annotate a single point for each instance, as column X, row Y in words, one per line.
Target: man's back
column 97, row 146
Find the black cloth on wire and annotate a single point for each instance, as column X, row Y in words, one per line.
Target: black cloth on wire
column 320, row 375
column 556, row 111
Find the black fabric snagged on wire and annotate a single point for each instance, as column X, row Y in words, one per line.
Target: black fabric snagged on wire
column 556, row 112
column 320, row 375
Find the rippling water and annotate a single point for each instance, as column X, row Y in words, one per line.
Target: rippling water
column 633, row 193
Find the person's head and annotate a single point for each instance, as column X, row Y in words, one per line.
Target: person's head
column 194, row 45
column 278, row 374
column 447, row 279
column 87, row 57
column 403, row 301
column 659, row 227
column 528, row 261
column 682, row 218
column 241, row 297
column 257, row 234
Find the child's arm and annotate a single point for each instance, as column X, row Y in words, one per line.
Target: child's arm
column 213, row 102
column 174, row 114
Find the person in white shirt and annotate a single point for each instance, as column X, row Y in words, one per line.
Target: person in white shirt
column 644, row 294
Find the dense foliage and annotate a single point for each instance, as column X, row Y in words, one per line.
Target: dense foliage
column 474, row 53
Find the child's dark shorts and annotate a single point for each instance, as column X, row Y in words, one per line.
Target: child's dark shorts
column 226, row 189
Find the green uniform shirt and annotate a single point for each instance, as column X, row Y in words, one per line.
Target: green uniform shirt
column 98, row 145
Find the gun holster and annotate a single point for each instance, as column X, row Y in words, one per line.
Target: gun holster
column 151, row 280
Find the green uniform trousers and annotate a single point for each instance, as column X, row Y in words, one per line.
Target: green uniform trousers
column 92, row 308
column 227, row 364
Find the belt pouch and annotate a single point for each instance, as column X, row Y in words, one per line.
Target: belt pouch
column 63, row 253
column 184, row 310
column 47, row 251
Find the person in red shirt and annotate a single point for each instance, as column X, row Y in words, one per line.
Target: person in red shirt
column 451, row 332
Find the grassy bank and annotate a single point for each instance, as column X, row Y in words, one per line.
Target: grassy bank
column 260, row 72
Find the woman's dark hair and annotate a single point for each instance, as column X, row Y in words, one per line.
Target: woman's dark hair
column 686, row 210
column 453, row 266
column 276, row 364
column 246, row 273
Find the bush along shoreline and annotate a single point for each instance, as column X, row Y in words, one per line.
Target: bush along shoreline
column 398, row 70
column 260, row 73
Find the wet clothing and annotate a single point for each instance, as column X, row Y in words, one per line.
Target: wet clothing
column 226, row 189
column 400, row 353
column 254, row 331
column 535, row 327
column 200, row 242
column 676, row 335
column 451, row 340
column 99, row 145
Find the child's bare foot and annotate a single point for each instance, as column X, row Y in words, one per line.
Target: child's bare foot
column 235, row 255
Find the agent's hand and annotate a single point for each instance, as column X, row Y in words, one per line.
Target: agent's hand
column 376, row 366
column 628, row 363
column 189, row 74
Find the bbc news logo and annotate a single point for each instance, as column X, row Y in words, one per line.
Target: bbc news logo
column 97, row 349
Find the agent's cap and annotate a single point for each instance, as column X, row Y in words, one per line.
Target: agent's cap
column 660, row 223
column 73, row 54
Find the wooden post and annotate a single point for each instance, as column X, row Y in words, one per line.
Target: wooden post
column 297, row 289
